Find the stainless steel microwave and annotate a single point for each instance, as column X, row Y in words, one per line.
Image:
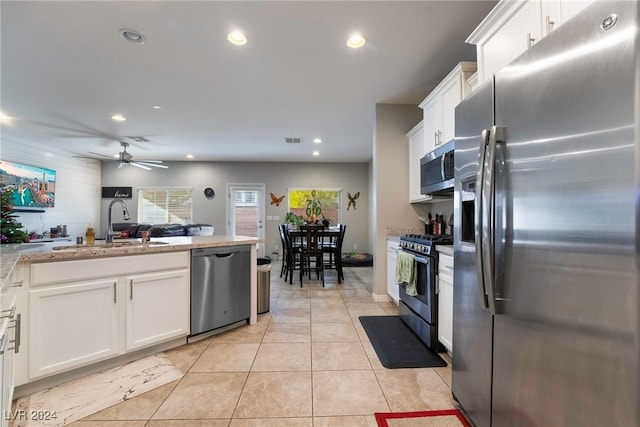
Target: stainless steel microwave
column 436, row 170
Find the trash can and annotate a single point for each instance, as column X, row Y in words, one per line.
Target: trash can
column 264, row 284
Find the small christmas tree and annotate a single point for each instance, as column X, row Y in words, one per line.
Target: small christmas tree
column 10, row 228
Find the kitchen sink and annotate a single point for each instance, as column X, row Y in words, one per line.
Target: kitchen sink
column 128, row 244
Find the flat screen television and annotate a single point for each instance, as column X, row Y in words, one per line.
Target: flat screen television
column 33, row 187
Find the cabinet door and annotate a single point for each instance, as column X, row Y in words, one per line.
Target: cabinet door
column 431, row 123
column 416, row 151
column 72, row 325
column 451, row 97
column 445, row 300
column 512, row 39
column 157, row 307
column 557, row 12
column 445, row 313
column 392, row 285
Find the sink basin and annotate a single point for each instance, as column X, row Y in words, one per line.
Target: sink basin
column 128, row 244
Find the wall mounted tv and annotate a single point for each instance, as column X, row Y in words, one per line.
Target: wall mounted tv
column 33, row 187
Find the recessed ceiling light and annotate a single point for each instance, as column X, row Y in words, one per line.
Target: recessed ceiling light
column 189, row 156
column 237, row 38
column 317, row 141
column 132, row 36
column 316, row 153
column 356, row 41
column 118, row 117
column 157, row 107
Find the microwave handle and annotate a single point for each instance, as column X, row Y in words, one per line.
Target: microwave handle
column 442, row 172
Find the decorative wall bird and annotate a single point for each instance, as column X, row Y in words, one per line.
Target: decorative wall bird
column 352, row 200
column 275, row 200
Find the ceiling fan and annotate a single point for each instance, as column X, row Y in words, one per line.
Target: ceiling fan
column 127, row 159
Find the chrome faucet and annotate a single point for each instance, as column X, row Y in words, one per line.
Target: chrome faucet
column 108, row 238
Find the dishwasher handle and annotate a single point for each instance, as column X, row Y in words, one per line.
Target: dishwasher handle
column 224, row 255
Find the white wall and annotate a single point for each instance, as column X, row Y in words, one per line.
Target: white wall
column 392, row 212
column 278, row 177
column 77, row 195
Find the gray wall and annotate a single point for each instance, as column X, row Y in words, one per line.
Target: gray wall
column 278, row 177
column 392, row 212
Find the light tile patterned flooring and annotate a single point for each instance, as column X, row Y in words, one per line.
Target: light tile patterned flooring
column 308, row 362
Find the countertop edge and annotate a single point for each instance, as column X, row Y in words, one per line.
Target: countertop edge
column 12, row 255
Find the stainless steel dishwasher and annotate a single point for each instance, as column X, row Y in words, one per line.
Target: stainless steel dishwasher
column 220, row 287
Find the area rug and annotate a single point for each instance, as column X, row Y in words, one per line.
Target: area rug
column 68, row 402
column 396, row 345
column 441, row 418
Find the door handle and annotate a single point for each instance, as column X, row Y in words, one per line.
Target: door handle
column 477, row 220
column 17, row 325
column 489, row 214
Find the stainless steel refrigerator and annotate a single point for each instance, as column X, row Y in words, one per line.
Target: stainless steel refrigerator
column 546, row 235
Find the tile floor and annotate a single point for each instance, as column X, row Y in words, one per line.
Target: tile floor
column 308, row 362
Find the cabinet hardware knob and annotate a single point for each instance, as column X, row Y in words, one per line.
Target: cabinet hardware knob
column 550, row 24
column 17, row 284
column 530, row 40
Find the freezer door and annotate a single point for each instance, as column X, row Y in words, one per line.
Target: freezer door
column 472, row 322
column 566, row 332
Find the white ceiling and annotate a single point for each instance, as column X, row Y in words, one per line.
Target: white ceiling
column 65, row 71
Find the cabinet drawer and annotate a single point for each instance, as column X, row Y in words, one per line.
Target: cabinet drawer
column 74, row 270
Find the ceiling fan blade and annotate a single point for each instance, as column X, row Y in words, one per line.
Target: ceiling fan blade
column 138, row 165
column 149, row 161
column 101, row 155
column 121, row 164
column 155, row 165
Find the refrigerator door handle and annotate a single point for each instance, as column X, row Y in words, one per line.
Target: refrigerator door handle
column 488, row 214
column 477, row 220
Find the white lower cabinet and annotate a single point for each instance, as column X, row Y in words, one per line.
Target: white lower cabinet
column 445, row 301
column 80, row 312
column 392, row 284
column 72, row 325
column 157, row 307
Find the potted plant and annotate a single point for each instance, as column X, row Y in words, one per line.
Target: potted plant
column 313, row 209
column 293, row 220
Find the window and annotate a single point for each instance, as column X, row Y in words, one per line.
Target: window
column 329, row 199
column 165, row 206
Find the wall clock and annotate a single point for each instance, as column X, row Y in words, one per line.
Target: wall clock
column 209, row 193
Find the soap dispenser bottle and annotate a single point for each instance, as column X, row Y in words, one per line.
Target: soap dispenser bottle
column 90, row 235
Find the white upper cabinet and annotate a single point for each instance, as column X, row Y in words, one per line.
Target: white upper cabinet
column 438, row 123
column 439, row 107
column 513, row 26
column 416, row 151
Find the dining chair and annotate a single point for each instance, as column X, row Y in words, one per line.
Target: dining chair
column 281, row 230
column 292, row 254
column 312, row 250
column 334, row 248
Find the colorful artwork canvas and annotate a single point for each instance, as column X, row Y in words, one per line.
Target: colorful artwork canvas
column 33, row 187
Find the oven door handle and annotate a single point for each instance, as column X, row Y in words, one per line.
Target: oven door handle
column 421, row 260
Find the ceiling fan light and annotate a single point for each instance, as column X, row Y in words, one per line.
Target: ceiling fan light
column 118, row 118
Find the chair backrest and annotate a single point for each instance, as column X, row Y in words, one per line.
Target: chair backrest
column 312, row 235
column 343, row 228
column 281, row 230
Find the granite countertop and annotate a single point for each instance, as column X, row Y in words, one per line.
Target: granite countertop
column 445, row 249
column 11, row 254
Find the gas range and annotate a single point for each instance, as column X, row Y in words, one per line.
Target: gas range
column 424, row 243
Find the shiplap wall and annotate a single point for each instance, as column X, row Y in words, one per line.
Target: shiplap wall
column 78, row 194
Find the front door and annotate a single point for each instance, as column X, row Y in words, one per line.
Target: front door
column 246, row 211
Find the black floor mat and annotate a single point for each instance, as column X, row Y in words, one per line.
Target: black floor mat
column 396, row 345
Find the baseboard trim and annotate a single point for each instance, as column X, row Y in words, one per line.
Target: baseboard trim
column 380, row 298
